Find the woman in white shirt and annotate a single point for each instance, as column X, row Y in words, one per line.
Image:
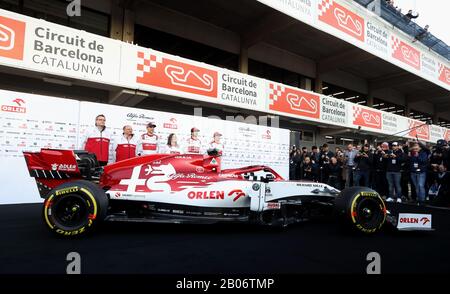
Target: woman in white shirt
column 172, row 146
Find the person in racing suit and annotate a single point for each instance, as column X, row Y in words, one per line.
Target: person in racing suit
column 193, row 144
column 126, row 146
column 216, row 144
column 98, row 140
column 149, row 141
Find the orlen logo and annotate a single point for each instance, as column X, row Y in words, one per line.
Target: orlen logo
column 16, row 107
column 215, row 194
column 414, row 220
column 12, row 36
column 172, row 124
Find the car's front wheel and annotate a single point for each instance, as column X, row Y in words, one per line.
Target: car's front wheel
column 362, row 208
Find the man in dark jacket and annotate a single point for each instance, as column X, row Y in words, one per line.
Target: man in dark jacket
column 309, row 170
column 379, row 166
column 324, row 160
column 363, row 160
column 334, row 171
column 395, row 160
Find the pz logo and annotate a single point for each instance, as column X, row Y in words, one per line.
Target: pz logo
column 12, row 36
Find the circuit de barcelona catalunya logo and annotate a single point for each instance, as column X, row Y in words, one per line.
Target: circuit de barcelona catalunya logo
column 366, row 118
column 405, row 53
column 288, row 100
column 155, row 70
column 444, row 74
column 419, row 129
column 12, row 35
column 341, row 18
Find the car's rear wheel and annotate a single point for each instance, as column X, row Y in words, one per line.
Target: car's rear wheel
column 75, row 208
column 362, row 208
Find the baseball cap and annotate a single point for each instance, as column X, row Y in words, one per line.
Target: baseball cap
column 394, row 144
column 385, row 144
column 151, row 125
column 441, row 142
column 219, row 134
column 194, row 129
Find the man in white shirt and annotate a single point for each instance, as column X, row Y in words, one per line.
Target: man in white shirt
column 149, row 141
column 216, row 144
column 194, row 145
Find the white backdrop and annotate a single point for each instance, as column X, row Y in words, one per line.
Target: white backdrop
column 29, row 122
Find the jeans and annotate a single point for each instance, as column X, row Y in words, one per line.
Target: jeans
column 418, row 180
column 361, row 175
column 349, row 176
column 394, row 183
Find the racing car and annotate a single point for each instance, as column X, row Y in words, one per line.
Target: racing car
column 186, row 188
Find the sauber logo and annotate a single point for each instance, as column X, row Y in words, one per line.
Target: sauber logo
column 341, row 18
column 405, row 53
column 294, row 101
column 172, row 124
column 12, row 34
column 155, row 70
column 267, row 135
column 16, row 107
column 366, row 118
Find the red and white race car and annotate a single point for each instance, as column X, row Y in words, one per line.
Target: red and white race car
column 187, row 188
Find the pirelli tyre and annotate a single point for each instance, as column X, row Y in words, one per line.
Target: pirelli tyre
column 75, row 208
column 361, row 208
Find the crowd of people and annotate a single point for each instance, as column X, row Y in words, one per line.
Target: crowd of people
column 409, row 171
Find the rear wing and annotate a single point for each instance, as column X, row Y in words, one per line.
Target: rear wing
column 52, row 167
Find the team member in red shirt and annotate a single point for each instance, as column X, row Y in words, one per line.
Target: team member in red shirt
column 149, row 140
column 172, row 146
column 126, row 146
column 98, row 140
column 193, row 144
column 216, row 144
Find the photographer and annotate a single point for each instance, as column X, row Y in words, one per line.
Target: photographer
column 418, row 163
column 334, row 171
column 442, row 197
column 324, row 160
column 309, row 170
column 364, row 161
column 437, row 158
column 395, row 160
column 379, row 167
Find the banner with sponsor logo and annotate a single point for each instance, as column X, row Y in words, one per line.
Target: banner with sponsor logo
column 158, row 72
column 357, row 25
column 27, row 124
column 292, row 101
column 35, row 44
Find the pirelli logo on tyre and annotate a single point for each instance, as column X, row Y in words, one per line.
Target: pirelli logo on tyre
column 12, row 37
column 67, row 191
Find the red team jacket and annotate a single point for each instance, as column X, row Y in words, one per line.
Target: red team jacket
column 125, row 148
column 98, row 142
